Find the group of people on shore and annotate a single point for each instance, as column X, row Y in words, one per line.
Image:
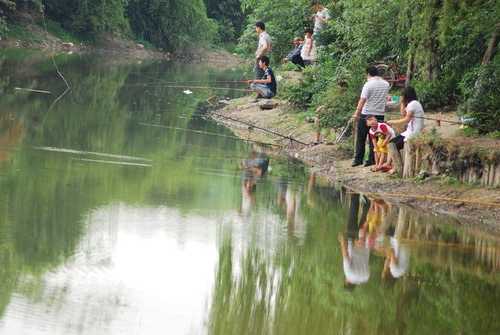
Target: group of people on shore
column 303, row 53
column 370, row 116
column 372, row 104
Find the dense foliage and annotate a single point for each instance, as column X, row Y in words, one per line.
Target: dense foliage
column 168, row 24
column 229, row 17
column 443, row 41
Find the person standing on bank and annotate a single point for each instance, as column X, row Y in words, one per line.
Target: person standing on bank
column 263, row 48
column 321, row 17
column 371, row 103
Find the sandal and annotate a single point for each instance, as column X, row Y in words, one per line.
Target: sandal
column 386, row 168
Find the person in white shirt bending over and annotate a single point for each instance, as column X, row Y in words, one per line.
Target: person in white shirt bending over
column 263, row 48
column 413, row 115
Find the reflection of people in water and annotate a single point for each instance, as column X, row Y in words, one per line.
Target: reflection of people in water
column 372, row 230
column 255, row 167
column 355, row 254
column 353, row 223
column 366, row 235
column 356, row 258
column 397, row 260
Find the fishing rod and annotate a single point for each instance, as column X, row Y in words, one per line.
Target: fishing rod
column 432, row 119
column 259, row 128
column 192, row 87
column 191, row 81
column 343, row 132
column 180, row 82
column 202, row 132
column 250, row 125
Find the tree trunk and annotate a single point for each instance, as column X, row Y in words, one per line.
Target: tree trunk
column 410, row 68
column 409, row 164
column 488, row 55
column 433, row 43
column 397, row 162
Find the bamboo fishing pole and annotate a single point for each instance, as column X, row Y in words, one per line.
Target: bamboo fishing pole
column 259, row 128
column 202, row 132
column 192, row 87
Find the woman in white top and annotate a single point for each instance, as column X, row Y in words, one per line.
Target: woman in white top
column 308, row 52
column 413, row 115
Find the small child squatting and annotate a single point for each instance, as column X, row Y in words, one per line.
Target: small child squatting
column 380, row 135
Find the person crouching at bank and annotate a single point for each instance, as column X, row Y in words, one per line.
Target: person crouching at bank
column 265, row 87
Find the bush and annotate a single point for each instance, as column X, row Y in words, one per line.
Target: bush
column 434, row 94
column 482, row 100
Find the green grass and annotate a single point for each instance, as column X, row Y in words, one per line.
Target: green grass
column 58, row 31
column 19, row 32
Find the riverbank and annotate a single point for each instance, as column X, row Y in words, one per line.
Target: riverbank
column 472, row 205
column 35, row 37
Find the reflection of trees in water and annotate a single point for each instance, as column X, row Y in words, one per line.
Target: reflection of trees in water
column 45, row 196
column 299, row 288
column 11, row 134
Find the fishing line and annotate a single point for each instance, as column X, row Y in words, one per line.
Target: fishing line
column 432, row 119
column 202, row 132
column 155, row 79
column 192, row 87
column 251, row 126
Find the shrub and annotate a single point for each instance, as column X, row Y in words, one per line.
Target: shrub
column 482, row 100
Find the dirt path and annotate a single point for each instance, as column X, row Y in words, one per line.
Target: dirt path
column 334, row 163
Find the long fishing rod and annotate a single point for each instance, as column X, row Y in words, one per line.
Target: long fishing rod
column 192, row 87
column 432, row 119
column 202, row 132
column 343, row 132
column 182, row 82
column 155, row 79
column 259, row 128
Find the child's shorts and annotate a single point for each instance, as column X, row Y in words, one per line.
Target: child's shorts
column 381, row 148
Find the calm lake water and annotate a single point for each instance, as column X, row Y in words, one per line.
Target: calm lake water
column 124, row 211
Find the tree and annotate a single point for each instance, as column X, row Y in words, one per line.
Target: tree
column 229, row 17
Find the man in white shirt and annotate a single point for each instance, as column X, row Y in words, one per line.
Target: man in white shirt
column 372, row 102
column 263, row 48
column 320, row 18
column 355, row 259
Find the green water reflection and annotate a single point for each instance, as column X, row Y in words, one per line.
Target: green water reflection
column 117, row 218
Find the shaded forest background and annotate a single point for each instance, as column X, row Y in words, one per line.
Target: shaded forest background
column 450, row 46
column 167, row 24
